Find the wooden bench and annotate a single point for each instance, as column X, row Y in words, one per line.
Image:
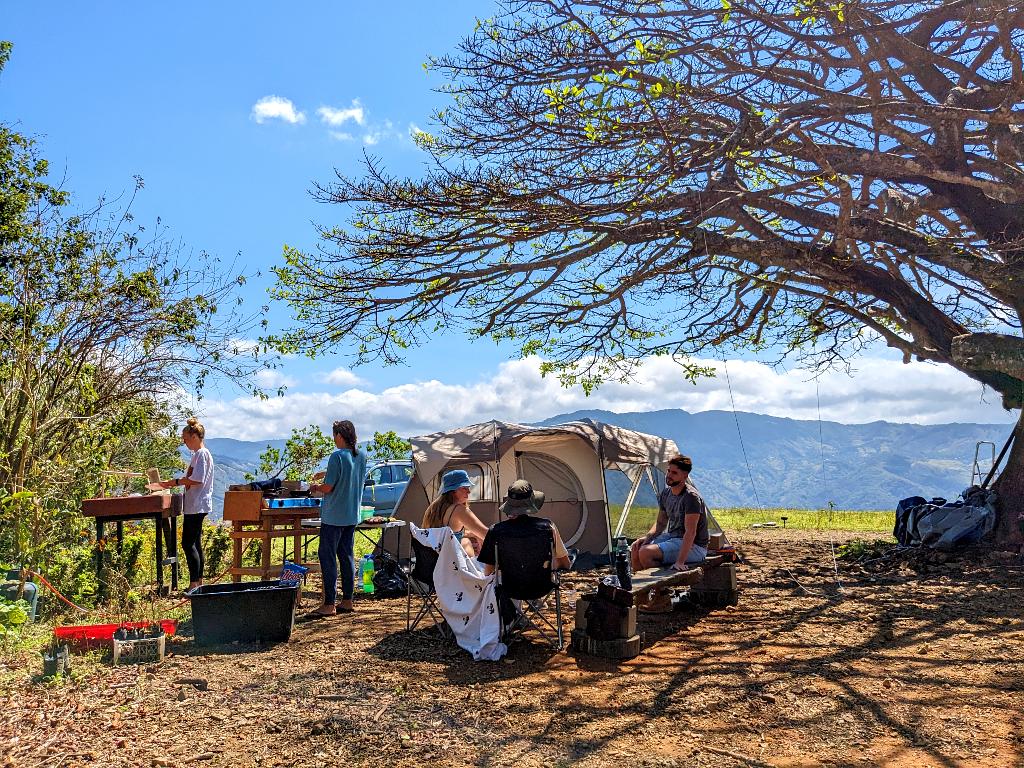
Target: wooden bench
column 654, row 579
column 606, row 620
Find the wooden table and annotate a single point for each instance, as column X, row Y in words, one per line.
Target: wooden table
column 272, row 524
column 250, row 520
column 162, row 508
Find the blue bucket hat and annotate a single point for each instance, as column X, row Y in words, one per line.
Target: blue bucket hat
column 457, row 478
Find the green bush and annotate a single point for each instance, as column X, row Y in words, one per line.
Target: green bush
column 13, row 615
column 216, row 546
column 859, row 550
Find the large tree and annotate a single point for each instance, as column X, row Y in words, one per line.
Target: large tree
column 614, row 179
column 103, row 326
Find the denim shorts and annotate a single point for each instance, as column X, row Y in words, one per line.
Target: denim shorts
column 670, row 546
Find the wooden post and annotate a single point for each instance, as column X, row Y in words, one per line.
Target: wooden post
column 101, row 586
column 265, row 531
column 172, row 549
column 236, row 552
column 159, row 553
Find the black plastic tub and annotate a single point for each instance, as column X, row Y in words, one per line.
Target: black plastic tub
column 247, row 612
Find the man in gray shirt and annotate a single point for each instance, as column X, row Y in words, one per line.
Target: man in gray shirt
column 680, row 533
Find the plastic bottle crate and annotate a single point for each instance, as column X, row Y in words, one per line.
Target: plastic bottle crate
column 146, row 650
column 90, row 636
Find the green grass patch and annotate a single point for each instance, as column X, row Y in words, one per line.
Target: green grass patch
column 641, row 519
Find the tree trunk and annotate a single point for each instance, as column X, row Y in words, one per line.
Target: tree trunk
column 1010, row 487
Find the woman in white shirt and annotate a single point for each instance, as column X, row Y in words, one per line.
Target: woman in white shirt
column 198, row 501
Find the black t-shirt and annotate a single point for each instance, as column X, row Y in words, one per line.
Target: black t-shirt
column 520, row 526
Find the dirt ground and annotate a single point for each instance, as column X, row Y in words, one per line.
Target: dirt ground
column 898, row 662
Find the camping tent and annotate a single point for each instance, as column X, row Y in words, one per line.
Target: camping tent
column 566, row 461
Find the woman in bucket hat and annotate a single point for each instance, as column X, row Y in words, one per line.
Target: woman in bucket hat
column 451, row 509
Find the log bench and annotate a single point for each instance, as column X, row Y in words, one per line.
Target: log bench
column 606, row 620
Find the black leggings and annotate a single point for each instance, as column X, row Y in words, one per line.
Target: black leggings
column 192, row 543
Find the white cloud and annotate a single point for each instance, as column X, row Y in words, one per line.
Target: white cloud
column 386, row 130
column 280, row 108
column 276, row 108
column 880, row 390
column 244, row 347
column 336, row 117
column 373, row 132
column 342, row 377
column 269, row 378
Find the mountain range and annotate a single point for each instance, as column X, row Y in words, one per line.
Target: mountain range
column 749, row 460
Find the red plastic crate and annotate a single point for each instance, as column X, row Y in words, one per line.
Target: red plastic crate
column 89, row 636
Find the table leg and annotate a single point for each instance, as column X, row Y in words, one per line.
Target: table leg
column 99, row 557
column 236, row 553
column 171, row 535
column 268, row 526
column 120, row 537
column 158, row 525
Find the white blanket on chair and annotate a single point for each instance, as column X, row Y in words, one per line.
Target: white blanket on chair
column 464, row 594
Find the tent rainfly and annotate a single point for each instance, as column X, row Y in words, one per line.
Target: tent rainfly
column 566, row 461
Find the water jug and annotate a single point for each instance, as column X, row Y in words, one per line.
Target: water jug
column 368, row 572
column 622, row 570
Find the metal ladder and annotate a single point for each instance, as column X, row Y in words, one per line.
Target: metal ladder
column 977, row 475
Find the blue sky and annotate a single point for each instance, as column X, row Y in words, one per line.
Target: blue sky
column 230, row 112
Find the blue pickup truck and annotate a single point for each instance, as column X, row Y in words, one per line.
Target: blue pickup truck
column 384, row 484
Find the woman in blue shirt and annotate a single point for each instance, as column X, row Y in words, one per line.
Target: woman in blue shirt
column 342, row 489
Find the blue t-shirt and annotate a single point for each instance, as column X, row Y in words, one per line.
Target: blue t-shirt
column 345, row 473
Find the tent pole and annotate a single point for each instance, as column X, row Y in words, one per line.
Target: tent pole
column 604, row 491
column 497, row 468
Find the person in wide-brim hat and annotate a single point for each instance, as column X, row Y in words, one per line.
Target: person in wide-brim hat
column 522, row 499
column 451, row 509
column 521, row 505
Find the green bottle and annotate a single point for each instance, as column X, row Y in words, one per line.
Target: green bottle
column 368, row 572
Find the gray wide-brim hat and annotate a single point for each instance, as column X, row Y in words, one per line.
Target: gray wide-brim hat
column 521, row 499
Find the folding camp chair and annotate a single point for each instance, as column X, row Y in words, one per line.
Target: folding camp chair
column 420, row 580
column 524, row 567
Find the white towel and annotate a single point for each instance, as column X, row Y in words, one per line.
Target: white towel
column 464, row 594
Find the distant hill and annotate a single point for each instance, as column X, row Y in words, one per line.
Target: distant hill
column 856, row 466
column 241, row 451
column 792, row 464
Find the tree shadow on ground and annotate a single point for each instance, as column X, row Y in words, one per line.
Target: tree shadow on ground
column 845, row 660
